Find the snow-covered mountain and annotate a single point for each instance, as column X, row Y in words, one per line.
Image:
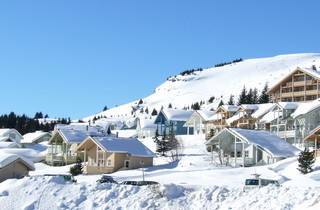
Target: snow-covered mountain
column 220, row 82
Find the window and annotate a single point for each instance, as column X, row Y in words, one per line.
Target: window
column 246, row 154
column 109, row 162
column 238, row 154
column 126, row 163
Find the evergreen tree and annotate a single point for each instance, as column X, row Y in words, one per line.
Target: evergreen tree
column 255, row 96
column 77, row 168
column 140, row 101
column 154, row 112
column 231, row 100
column 170, row 106
column 264, row 97
column 211, row 99
column 306, row 159
column 109, row 130
column 221, row 103
column 195, row 106
column 249, row 97
column 243, row 96
column 105, row 108
column 146, row 110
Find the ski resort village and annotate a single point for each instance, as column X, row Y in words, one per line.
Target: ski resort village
column 243, row 134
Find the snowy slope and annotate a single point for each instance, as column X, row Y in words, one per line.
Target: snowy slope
column 222, row 81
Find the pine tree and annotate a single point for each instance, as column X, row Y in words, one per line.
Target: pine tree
column 306, row 159
column 264, row 97
column 211, row 99
column 249, row 97
column 109, row 130
column 170, row 106
column 231, row 100
column 221, row 103
column 154, row 112
column 105, row 108
column 255, row 96
column 146, row 110
column 77, row 168
column 140, row 101
column 243, row 96
column 196, row 106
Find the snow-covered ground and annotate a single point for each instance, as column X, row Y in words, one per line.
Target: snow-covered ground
column 182, row 91
column 194, row 182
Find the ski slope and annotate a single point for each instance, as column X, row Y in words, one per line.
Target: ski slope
column 220, row 82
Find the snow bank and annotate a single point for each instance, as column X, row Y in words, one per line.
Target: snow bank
column 53, row 193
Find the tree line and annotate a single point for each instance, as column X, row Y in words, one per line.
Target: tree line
column 25, row 124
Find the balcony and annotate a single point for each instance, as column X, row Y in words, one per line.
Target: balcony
column 286, row 134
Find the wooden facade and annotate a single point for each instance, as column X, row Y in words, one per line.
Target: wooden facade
column 300, row 85
column 312, row 141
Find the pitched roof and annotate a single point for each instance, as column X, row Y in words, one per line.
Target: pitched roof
column 177, row 114
column 6, row 159
column 147, row 122
column 306, row 107
column 131, row 146
column 6, row 131
column 269, row 142
column 229, row 108
column 309, row 71
column 205, row 114
column 34, row 136
column 77, row 136
column 262, row 110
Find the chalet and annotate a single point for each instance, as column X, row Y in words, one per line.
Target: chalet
column 110, row 154
column 217, row 122
column 245, row 147
column 173, row 119
column 64, row 142
column 198, row 121
column 259, row 116
column 280, row 120
column 243, row 117
column 312, row 141
column 306, row 119
column 13, row 166
column 302, row 84
column 145, row 126
column 35, row 138
column 10, row 138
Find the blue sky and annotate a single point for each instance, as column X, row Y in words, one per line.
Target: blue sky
column 70, row 58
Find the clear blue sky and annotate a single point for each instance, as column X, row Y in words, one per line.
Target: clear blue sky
column 72, row 57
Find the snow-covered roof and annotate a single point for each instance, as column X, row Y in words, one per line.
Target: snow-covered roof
column 288, row 105
column 8, row 145
column 249, row 106
column 7, row 131
column 235, row 117
column 34, row 136
column 131, row 146
column 206, row 114
column 77, row 136
column 6, row 159
column 306, row 107
column 229, row 108
column 270, row 116
column 309, row 71
column 177, row 114
column 269, row 142
column 262, row 110
column 147, row 122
